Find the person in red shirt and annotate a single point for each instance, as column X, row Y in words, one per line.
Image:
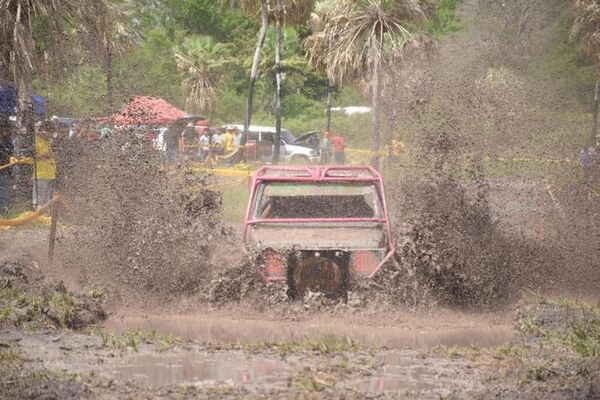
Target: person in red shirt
column 338, row 146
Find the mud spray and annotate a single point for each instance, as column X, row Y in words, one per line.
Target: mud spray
column 471, row 231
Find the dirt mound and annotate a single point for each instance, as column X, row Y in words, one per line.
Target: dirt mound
column 29, row 300
column 136, row 222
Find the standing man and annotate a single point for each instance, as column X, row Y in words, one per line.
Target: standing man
column 228, row 141
column 204, row 144
column 172, row 144
column 237, row 138
column 217, row 142
column 325, row 148
column 339, row 147
column 44, row 169
column 6, row 151
column 189, row 142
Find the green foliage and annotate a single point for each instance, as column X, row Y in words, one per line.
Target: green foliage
column 62, row 308
column 447, row 20
column 326, row 345
column 82, row 95
column 131, row 340
column 584, row 339
column 202, row 64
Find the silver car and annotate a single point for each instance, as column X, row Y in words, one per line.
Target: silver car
column 304, row 150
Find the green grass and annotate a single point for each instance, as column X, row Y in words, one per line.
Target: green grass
column 10, row 356
column 326, row 345
column 584, row 339
column 131, row 340
column 235, row 199
column 447, row 20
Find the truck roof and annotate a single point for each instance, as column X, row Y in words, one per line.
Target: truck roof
column 361, row 173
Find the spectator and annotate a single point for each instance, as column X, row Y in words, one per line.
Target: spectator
column 6, row 151
column 44, row 169
column 172, row 145
column 237, row 138
column 217, row 142
column 204, row 142
column 338, row 146
column 228, row 141
column 189, row 142
column 325, row 148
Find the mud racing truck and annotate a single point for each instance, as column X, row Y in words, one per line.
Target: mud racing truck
column 315, row 226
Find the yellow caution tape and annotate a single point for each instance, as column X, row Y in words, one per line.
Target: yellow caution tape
column 229, row 172
column 17, row 161
column 31, row 216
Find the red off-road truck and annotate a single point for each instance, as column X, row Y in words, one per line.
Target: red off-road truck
column 314, row 226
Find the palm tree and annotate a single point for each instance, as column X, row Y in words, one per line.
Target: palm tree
column 317, row 46
column 297, row 11
column 587, row 24
column 60, row 23
column 110, row 31
column 363, row 35
column 278, row 11
column 200, row 61
column 264, row 18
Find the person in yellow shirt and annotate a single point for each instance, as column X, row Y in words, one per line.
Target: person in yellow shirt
column 44, row 170
column 228, row 141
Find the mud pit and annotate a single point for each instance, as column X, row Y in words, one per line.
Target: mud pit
column 251, row 372
column 188, row 319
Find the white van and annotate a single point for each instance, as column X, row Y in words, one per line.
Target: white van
column 304, row 150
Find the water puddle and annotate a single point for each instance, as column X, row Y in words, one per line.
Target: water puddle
column 205, row 329
column 201, row 369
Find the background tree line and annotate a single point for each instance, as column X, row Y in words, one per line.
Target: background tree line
column 89, row 57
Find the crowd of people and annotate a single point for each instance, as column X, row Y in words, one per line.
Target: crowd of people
column 189, row 142
column 202, row 143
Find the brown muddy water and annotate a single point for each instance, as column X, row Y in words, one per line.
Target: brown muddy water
column 366, row 371
column 423, row 334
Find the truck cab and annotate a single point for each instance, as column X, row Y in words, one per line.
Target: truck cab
column 315, row 226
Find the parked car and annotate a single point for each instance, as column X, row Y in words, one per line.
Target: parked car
column 259, row 145
column 315, row 226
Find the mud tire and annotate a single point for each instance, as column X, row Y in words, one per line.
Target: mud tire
column 303, row 275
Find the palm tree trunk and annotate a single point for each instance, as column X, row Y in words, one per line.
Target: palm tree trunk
column 329, row 96
column 277, row 138
column 254, row 71
column 594, row 131
column 26, row 141
column 110, row 101
column 376, row 93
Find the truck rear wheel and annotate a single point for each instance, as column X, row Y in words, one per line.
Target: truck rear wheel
column 327, row 275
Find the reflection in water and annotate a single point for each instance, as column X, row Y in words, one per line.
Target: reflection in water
column 198, row 369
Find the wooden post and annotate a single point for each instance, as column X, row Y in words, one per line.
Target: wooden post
column 52, row 238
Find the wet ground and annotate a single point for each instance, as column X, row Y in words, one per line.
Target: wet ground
column 423, row 332
column 308, row 366
column 533, row 360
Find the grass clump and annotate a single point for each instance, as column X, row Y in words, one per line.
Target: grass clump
column 10, row 356
column 131, row 340
column 584, row 339
column 329, row 344
column 529, row 326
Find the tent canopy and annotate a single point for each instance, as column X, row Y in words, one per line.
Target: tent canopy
column 144, row 110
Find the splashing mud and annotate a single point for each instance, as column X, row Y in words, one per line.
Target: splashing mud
column 147, row 226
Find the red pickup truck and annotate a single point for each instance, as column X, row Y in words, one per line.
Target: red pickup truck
column 314, row 226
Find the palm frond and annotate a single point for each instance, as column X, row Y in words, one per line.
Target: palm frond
column 587, row 25
column 348, row 36
column 200, row 61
